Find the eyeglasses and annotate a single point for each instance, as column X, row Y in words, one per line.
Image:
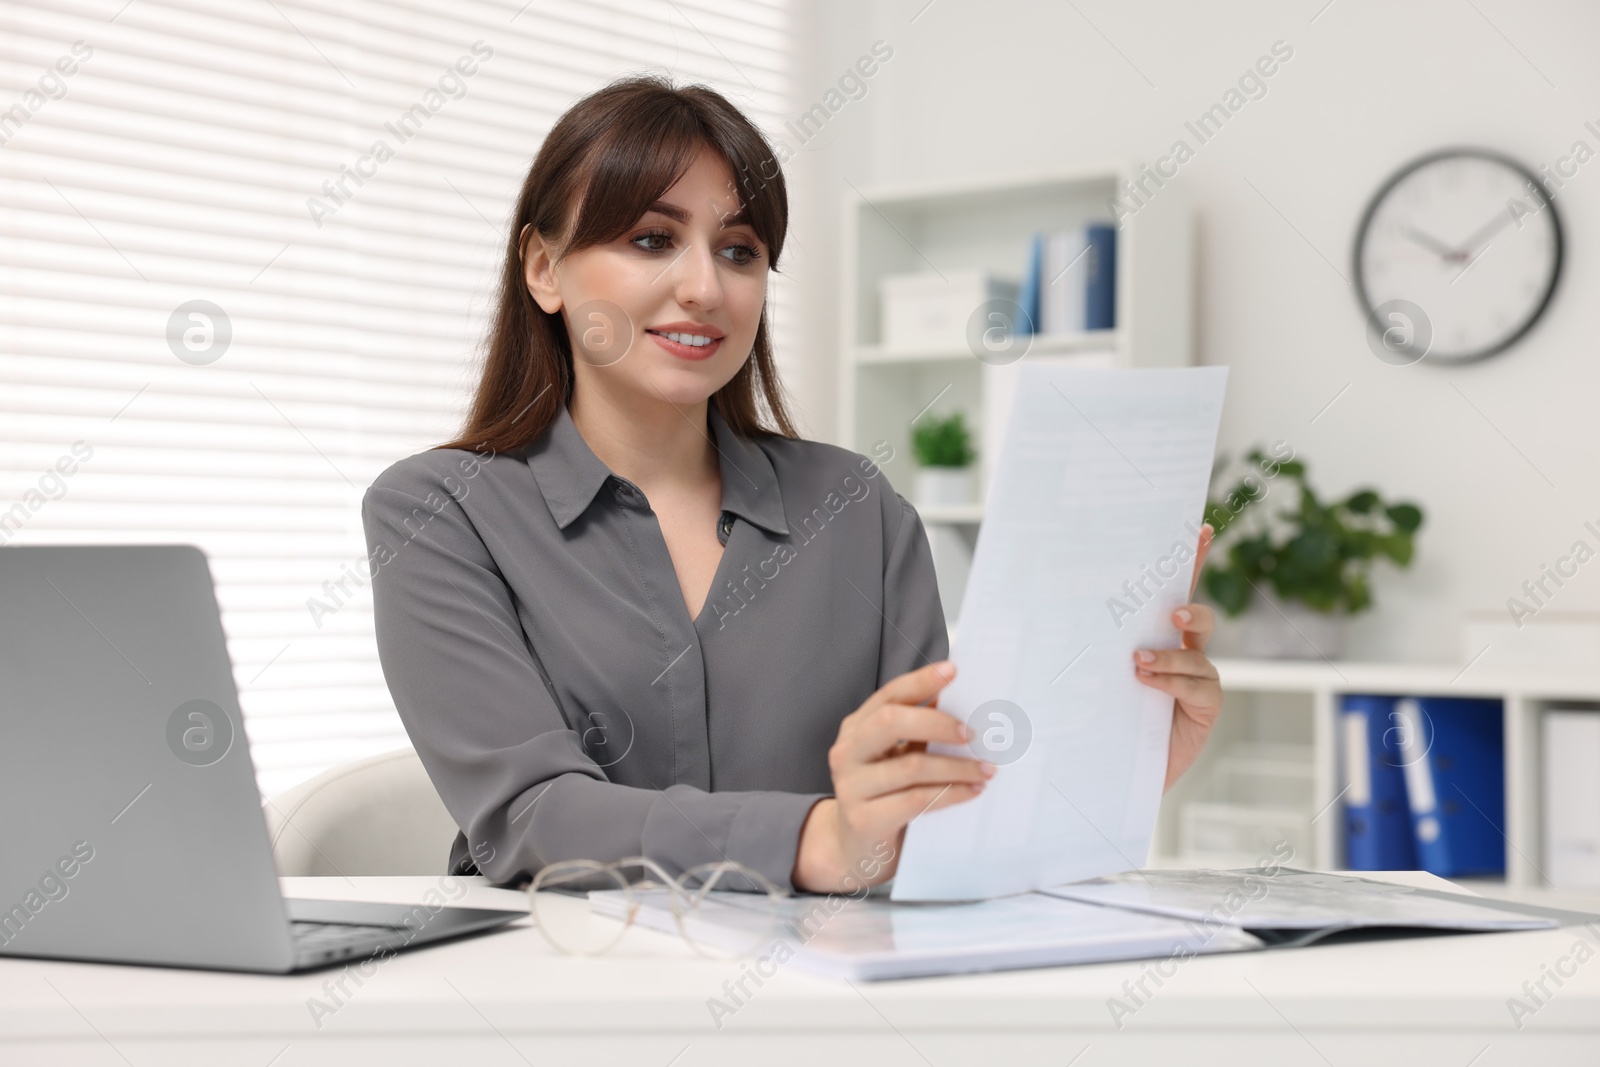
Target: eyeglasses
column 705, row 905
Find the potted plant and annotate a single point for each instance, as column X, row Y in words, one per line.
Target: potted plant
column 945, row 454
column 1310, row 561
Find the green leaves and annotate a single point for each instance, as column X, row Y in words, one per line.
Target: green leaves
column 1318, row 553
column 1396, row 546
column 1359, row 594
column 1228, row 588
column 943, row 442
column 1271, row 468
column 1362, row 502
column 1407, row 517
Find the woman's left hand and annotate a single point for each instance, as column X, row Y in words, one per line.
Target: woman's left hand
column 1187, row 674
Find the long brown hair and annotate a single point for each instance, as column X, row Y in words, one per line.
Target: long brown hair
column 618, row 150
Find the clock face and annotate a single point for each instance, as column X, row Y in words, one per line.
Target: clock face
column 1457, row 258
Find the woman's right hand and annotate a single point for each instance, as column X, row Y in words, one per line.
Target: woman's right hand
column 882, row 779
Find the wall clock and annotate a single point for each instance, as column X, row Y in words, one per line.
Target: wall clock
column 1456, row 257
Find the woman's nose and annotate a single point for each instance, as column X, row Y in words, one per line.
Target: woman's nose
column 696, row 278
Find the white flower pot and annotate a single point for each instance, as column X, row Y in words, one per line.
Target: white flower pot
column 1291, row 631
column 945, row 485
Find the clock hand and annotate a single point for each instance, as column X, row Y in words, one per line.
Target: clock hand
column 1432, row 244
column 1484, row 232
column 1468, row 266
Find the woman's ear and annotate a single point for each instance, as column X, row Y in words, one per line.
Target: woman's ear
column 538, row 270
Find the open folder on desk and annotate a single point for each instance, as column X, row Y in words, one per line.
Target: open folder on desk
column 1087, row 547
column 1136, row 915
column 1293, row 907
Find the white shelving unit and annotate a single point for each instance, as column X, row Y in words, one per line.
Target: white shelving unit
column 987, row 225
column 1277, row 702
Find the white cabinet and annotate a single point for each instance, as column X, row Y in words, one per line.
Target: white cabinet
column 1287, row 703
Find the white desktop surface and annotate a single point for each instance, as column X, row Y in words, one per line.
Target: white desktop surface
column 508, row 998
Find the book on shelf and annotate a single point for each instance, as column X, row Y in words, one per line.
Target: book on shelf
column 1377, row 816
column 1069, row 285
column 1452, row 750
column 1424, row 781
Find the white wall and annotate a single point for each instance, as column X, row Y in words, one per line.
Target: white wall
column 975, row 89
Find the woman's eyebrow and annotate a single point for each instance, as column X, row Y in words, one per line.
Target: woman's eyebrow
column 679, row 215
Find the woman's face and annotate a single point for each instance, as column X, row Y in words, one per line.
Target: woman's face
column 670, row 309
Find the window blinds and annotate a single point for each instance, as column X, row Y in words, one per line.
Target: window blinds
column 226, row 309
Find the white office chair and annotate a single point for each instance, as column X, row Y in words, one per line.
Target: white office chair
column 376, row 816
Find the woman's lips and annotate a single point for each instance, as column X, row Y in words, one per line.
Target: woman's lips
column 686, row 351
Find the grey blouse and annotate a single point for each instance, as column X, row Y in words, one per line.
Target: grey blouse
column 535, row 639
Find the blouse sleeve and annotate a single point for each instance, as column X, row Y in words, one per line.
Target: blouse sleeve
column 484, row 719
column 914, row 632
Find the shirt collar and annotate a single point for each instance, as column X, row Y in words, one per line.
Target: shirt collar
column 570, row 474
column 749, row 484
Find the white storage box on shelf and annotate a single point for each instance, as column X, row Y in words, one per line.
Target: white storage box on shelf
column 1572, row 796
column 933, row 311
column 1259, row 801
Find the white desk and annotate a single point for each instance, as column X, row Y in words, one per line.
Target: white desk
column 507, row 998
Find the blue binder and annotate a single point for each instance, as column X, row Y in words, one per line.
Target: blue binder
column 1377, row 816
column 1100, row 293
column 1029, row 323
column 1452, row 753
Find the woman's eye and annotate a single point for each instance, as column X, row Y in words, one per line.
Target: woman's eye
column 748, row 254
column 653, row 237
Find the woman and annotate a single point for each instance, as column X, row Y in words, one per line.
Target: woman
column 621, row 615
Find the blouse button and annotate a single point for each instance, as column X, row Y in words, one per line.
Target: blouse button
column 727, row 526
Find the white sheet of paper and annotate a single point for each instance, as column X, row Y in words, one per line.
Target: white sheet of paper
column 1086, row 548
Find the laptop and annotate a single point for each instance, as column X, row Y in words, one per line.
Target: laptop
column 134, row 831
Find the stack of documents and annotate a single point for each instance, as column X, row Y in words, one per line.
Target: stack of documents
column 874, row 938
column 1134, row 915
